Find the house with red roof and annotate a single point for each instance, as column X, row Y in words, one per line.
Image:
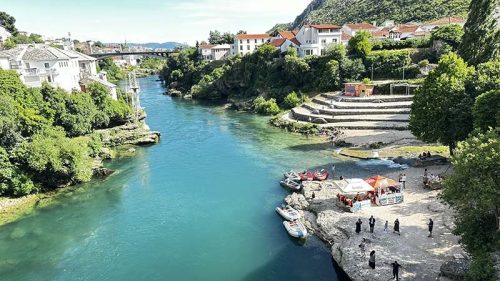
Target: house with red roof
column 205, row 51
column 247, row 43
column 314, row 38
column 431, row 25
column 283, row 40
column 352, row 28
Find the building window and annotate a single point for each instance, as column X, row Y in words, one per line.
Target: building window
column 323, row 41
column 248, row 41
column 262, row 40
column 308, row 52
column 248, row 47
column 27, row 65
column 241, row 48
column 334, row 40
column 255, row 41
column 241, row 41
column 46, row 65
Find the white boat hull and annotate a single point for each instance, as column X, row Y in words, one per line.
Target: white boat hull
column 290, row 184
column 295, row 229
column 288, row 213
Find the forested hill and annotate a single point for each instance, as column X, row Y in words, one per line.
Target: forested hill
column 343, row 11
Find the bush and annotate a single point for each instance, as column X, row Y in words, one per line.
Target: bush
column 423, row 63
column 388, row 44
column 389, row 64
column 291, row 100
column 269, row 107
column 486, row 110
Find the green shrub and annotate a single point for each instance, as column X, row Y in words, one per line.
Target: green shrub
column 266, row 107
column 486, row 110
column 291, row 100
column 423, row 63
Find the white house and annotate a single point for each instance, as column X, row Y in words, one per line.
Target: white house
column 247, row 43
column 205, row 51
column 314, row 38
column 220, row 52
column 101, row 78
column 431, row 25
column 405, row 31
column 38, row 63
column 352, row 28
column 4, row 34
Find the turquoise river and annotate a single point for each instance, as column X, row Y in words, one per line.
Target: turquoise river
column 197, row 206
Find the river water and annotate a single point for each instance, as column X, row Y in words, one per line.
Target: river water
column 197, row 206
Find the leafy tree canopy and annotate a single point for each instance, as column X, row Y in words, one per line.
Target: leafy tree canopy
column 360, row 44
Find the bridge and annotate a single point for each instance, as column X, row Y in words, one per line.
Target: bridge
column 161, row 54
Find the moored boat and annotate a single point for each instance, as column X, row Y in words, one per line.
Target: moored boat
column 290, row 184
column 295, row 229
column 292, row 175
column 288, row 213
column 306, row 176
column 321, row 175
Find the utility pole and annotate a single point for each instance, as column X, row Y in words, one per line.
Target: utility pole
column 372, row 71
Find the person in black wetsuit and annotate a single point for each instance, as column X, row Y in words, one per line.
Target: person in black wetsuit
column 358, row 226
column 371, row 221
column 396, row 227
column 431, row 226
column 395, row 270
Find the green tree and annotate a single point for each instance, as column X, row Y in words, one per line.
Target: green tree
column 486, row 110
column 79, row 116
column 291, row 100
column 450, row 34
column 336, row 51
column 360, row 44
column 486, row 78
column 351, row 69
column 472, row 190
column 296, row 69
column 9, row 43
column 8, row 22
column 442, row 110
column 481, row 40
column 215, row 37
column 53, row 159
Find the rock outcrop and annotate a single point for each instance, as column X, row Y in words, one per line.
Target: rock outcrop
column 133, row 133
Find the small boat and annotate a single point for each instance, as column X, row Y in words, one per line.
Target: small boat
column 292, row 175
column 321, row 175
column 288, row 213
column 306, row 176
column 290, row 184
column 295, row 229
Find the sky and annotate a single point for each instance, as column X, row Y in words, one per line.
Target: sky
column 142, row 21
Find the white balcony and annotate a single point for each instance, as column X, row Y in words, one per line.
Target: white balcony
column 40, row 72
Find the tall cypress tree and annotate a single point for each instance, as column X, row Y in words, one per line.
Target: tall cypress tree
column 481, row 41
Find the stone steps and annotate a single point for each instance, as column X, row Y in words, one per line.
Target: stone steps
column 303, row 114
column 329, row 111
column 361, row 105
column 385, row 98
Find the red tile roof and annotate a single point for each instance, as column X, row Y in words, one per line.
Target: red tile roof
column 406, row 28
column 253, row 36
column 345, row 37
column 380, row 34
column 287, row 34
column 447, row 20
column 360, row 26
column 324, row 26
column 295, row 41
column 277, row 42
column 207, row 46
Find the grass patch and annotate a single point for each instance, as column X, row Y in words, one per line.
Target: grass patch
column 403, row 151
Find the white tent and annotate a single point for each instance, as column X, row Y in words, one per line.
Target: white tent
column 352, row 186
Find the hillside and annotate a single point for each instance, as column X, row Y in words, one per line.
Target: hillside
column 342, row 11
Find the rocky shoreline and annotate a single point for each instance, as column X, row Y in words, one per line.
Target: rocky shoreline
column 422, row 257
column 138, row 133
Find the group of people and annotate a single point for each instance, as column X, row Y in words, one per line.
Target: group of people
column 371, row 223
column 402, row 181
column 424, row 155
column 371, row 261
column 429, row 178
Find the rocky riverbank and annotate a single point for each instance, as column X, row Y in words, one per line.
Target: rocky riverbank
column 138, row 133
column 421, row 257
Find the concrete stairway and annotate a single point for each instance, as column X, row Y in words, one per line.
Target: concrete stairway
column 357, row 113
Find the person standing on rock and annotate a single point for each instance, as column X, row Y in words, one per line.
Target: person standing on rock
column 403, row 180
column 358, row 226
column 395, row 270
column 371, row 221
column 371, row 261
column 362, row 247
column 386, row 226
column 396, row 227
column 431, row 226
